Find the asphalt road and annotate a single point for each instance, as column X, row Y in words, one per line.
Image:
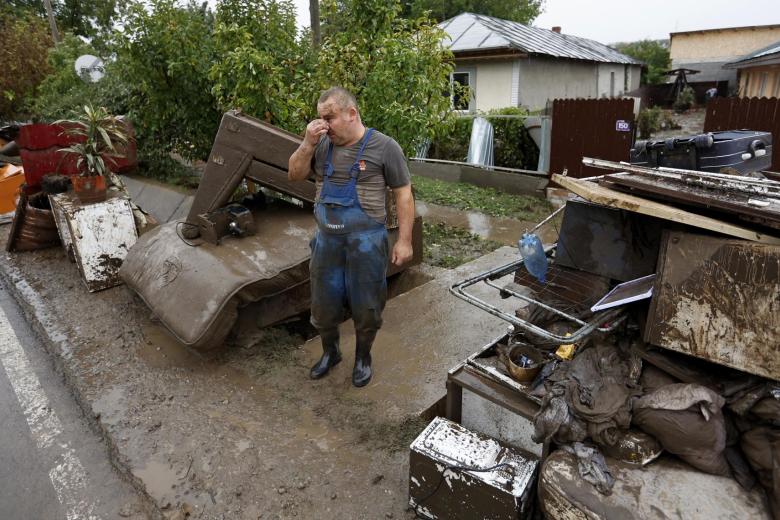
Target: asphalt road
column 52, row 464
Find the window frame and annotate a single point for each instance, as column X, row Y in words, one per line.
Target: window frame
column 471, row 72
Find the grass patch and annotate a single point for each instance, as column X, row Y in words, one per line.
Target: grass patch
column 264, row 351
column 485, row 200
column 448, row 247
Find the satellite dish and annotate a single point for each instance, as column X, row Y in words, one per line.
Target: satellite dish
column 89, row 68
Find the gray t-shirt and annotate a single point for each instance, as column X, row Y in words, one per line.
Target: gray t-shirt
column 385, row 166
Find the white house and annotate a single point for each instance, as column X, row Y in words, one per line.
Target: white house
column 508, row 64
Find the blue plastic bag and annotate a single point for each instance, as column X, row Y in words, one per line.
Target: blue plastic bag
column 534, row 259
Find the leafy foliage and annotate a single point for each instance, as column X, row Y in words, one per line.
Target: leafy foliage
column 100, row 135
column 523, row 11
column 262, row 67
column 448, row 247
column 165, row 52
column 173, row 67
column 62, row 93
column 23, row 55
column 397, row 68
column 654, row 53
column 91, row 19
column 513, row 146
column 685, row 100
column 486, row 200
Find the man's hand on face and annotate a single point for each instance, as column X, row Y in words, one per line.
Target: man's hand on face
column 315, row 130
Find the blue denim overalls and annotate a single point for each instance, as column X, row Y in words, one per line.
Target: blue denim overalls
column 349, row 255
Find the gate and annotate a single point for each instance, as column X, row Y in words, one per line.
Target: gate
column 761, row 114
column 599, row 128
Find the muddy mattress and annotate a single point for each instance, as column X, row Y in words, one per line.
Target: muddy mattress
column 196, row 288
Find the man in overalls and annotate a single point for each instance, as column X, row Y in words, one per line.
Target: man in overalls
column 353, row 166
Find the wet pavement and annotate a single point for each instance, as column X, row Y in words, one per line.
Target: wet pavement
column 245, row 433
column 506, row 231
column 34, row 480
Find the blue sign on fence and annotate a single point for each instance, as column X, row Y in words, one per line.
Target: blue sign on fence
column 622, row 126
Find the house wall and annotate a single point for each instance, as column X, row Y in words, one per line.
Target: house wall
column 545, row 78
column 530, row 82
column 709, row 51
column 493, row 87
column 723, row 45
column 751, row 79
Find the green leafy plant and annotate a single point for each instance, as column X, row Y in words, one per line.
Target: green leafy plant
column 654, row 54
column 512, row 144
column 649, row 121
column 485, row 200
column 23, row 55
column 101, row 137
column 685, row 100
column 397, row 68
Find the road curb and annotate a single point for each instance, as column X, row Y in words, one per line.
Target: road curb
column 55, row 341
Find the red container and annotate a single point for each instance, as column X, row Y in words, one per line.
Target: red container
column 39, row 148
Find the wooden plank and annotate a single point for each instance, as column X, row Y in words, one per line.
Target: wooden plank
column 600, row 195
column 732, row 203
column 716, row 298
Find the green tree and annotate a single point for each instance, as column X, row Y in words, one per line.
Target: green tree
column 523, row 11
column 262, row 67
column 396, row 67
column 655, row 55
column 165, row 52
column 26, row 40
column 93, row 18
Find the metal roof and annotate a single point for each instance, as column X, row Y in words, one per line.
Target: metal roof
column 722, row 29
column 756, row 56
column 476, row 32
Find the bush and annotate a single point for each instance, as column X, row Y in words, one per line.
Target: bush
column 513, row 147
column 23, row 55
column 649, row 122
column 685, row 100
column 165, row 52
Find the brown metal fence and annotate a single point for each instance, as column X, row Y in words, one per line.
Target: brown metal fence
column 761, row 114
column 601, row 128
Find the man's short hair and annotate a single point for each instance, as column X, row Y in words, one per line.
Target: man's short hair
column 341, row 96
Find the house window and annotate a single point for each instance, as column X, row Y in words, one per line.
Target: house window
column 462, row 89
column 762, row 84
column 746, row 88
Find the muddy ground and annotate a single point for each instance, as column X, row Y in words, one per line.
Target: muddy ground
column 240, row 434
column 691, row 122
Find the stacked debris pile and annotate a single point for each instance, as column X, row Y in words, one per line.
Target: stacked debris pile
column 658, row 323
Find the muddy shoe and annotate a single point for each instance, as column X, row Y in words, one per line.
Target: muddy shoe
column 331, row 356
column 361, row 374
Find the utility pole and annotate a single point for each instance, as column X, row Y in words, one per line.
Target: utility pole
column 52, row 22
column 314, row 14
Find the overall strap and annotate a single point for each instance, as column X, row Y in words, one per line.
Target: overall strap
column 329, row 161
column 355, row 170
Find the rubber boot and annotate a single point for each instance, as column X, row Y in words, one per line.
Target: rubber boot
column 331, row 355
column 361, row 374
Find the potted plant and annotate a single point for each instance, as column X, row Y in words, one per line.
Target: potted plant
column 99, row 138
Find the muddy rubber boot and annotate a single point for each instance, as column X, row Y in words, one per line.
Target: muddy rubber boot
column 331, row 355
column 361, row 374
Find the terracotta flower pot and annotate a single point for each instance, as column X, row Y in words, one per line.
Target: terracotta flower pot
column 89, row 189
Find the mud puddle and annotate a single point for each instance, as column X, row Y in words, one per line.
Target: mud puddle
column 507, row 231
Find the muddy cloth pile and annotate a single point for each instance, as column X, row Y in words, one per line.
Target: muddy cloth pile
column 589, row 397
column 719, row 420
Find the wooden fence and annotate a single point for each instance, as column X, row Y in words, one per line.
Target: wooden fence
column 600, row 128
column 761, row 114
